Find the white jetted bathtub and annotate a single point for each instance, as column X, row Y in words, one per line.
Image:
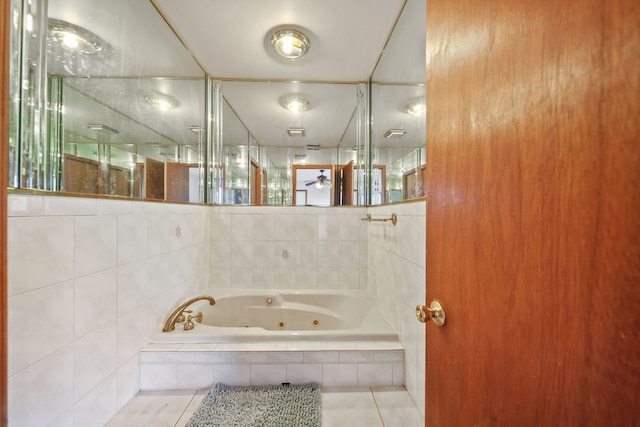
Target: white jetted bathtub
column 283, row 315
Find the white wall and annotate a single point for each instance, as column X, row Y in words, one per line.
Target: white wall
column 396, row 276
column 88, row 280
column 288, row 247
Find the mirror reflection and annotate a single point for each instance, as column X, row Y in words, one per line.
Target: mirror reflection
column 159, row 106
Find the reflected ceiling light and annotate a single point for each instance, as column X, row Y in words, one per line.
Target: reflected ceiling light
column 416, row 107
column 101, row 127
column 161, row 100
column 395, row 133
column 295, row 131
column 313, row 147
column 75, row 38
column 195, row 129
column 289, row 43
column 295, row 103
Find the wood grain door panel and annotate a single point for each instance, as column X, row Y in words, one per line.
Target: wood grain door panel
column 533, row 224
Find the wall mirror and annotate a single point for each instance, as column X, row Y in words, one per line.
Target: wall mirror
column 155, row 100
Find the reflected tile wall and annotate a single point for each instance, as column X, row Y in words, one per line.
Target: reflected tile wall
column 88, row 280
column 396, row 260
column 287, row 247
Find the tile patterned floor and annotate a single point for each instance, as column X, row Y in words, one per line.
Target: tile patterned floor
column 358, row 406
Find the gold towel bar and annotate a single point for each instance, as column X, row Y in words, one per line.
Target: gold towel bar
column 393, row 219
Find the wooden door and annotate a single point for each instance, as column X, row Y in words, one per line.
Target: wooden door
column 344, row 184
column 533, row 213
column 154, row 179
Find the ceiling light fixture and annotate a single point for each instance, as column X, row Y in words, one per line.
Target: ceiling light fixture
column 101, row 127
column 161, row 100
column 295, row 131
column 395, row 133
column 416, row 107
column 195, row 129
column 75, row 38
column 289, row 43
column 295, row 103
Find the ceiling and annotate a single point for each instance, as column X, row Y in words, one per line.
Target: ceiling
column 227, row 40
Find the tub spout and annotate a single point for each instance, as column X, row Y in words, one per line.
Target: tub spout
column 178, row 313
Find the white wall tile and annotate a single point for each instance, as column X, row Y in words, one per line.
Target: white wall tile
column 304, row 373
column 328, row 227
column 339, row 375
column 39, row 323
column 375, row 374
column 48, row 384
column 64, row 420
column 69, row 205
column 127, row 381
column 235, row 375
column 98, row 406
column 158, row 377
column 132, row 238
column 306, row 278
column 307, row 254
column 242, row 227
column 95, row 301
column 95, row 244
column 158, row 234
column 285, row 227
column 268, row 374
column 262, row 253
column 194, row 376
column 94, row 359
column 132, row 334
column 132, row 286
column 24, row 205
column 307, row 227
column 42, row 239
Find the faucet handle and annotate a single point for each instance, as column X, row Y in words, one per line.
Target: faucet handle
column 181, row 317
column 198, row 317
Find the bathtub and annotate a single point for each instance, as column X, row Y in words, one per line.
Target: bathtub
column 282, row 315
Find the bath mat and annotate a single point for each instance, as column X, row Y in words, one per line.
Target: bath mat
column 259, row 406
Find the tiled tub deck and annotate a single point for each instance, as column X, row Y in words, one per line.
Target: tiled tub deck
column 328, row 363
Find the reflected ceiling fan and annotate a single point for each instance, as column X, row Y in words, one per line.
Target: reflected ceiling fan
column 320, row 182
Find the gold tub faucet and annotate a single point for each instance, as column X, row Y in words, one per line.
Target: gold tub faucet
column 178, row 314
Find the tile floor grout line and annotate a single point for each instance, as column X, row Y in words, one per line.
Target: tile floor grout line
column 185, row 408
column 377, row 407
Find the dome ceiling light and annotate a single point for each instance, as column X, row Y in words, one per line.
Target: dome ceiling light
column 161, row 100
column 76, row 38
column 289, row 43
column 295, row 103
column 416, row 107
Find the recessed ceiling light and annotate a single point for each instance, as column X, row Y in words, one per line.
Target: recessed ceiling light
column 75, row 38
column 161, row 100
column 295, row 103
column 289, row 43
column 416, row 107
column 395, row 133
column 195, row 129
column 295, row 131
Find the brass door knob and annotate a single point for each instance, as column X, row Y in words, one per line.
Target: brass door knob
column 434, row 312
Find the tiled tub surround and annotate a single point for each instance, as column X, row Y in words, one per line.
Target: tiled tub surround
column 288, row 247
column 89, row 279
column 104, row 273
column 396, row 280
column 331, row 364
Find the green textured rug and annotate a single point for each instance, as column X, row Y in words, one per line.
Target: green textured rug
column 259, row 406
